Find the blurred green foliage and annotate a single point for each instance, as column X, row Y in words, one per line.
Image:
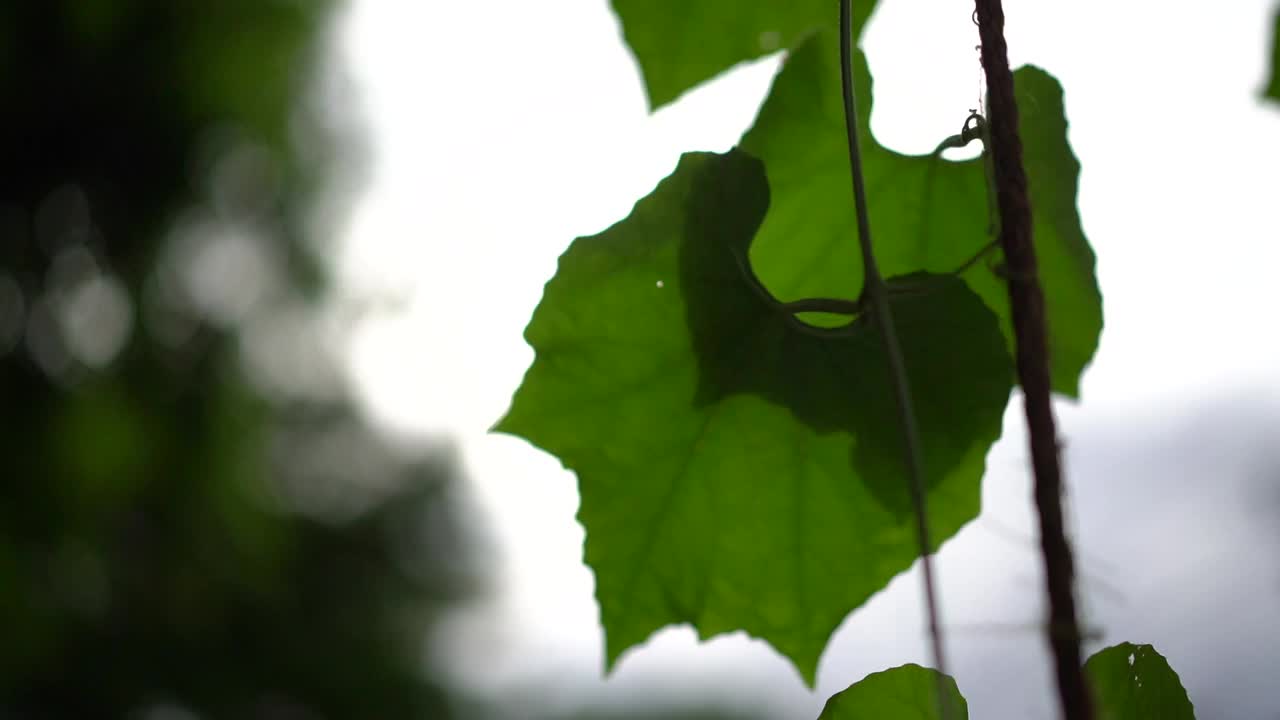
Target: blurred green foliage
column 195, row 521
column 1272, row 90
column 177, row 533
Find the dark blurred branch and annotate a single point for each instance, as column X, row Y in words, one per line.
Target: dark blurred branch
column 1032, row 360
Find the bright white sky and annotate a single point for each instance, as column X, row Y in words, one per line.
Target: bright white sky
column 502, row 130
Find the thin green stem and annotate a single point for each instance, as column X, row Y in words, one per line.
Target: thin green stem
column 837, row 306
column 834, row 306
column 877, row 293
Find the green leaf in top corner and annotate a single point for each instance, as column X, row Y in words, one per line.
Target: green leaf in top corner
column 1272, row 91
column 740, row 470
column 1134, row 682
column 680, row 44
column 909, row 692
column 927, row 214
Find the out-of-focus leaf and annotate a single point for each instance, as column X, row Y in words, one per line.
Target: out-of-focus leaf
column 909, row 692
column 680, row 44
column 1134, row 682
column 1273, row 86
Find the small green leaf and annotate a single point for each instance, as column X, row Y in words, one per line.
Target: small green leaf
column 1273, row 87
column 739, row 470
column 927, row 214
column 1134, row 682
column 680, row 44
column 909, row 692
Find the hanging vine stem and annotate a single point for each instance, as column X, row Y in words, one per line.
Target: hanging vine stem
column 876, row 291
column 838, row 306
column 1027, row 304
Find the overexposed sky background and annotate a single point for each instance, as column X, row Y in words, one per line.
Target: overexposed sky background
column 503, row 130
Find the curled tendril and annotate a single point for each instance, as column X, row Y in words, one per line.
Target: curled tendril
column 975, row 130
column 974, row 127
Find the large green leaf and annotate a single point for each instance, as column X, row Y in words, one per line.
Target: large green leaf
column 1273, row 86
column 1134, row 682
column 926, row 213
column 739, row 470
column 679, row 43
column 909, row 692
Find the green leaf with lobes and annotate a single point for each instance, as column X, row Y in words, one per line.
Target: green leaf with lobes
column 680, row 44
column 927, row 214
column 738, row 470
column 1134, row 682
column 909, row 692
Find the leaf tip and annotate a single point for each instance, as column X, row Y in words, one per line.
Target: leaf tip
column 500, row 427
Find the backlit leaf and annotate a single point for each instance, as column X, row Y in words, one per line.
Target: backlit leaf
column 739, row 470
column 926, row 214
column 680, row 44
column 909, row 692
column 1134, row 682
